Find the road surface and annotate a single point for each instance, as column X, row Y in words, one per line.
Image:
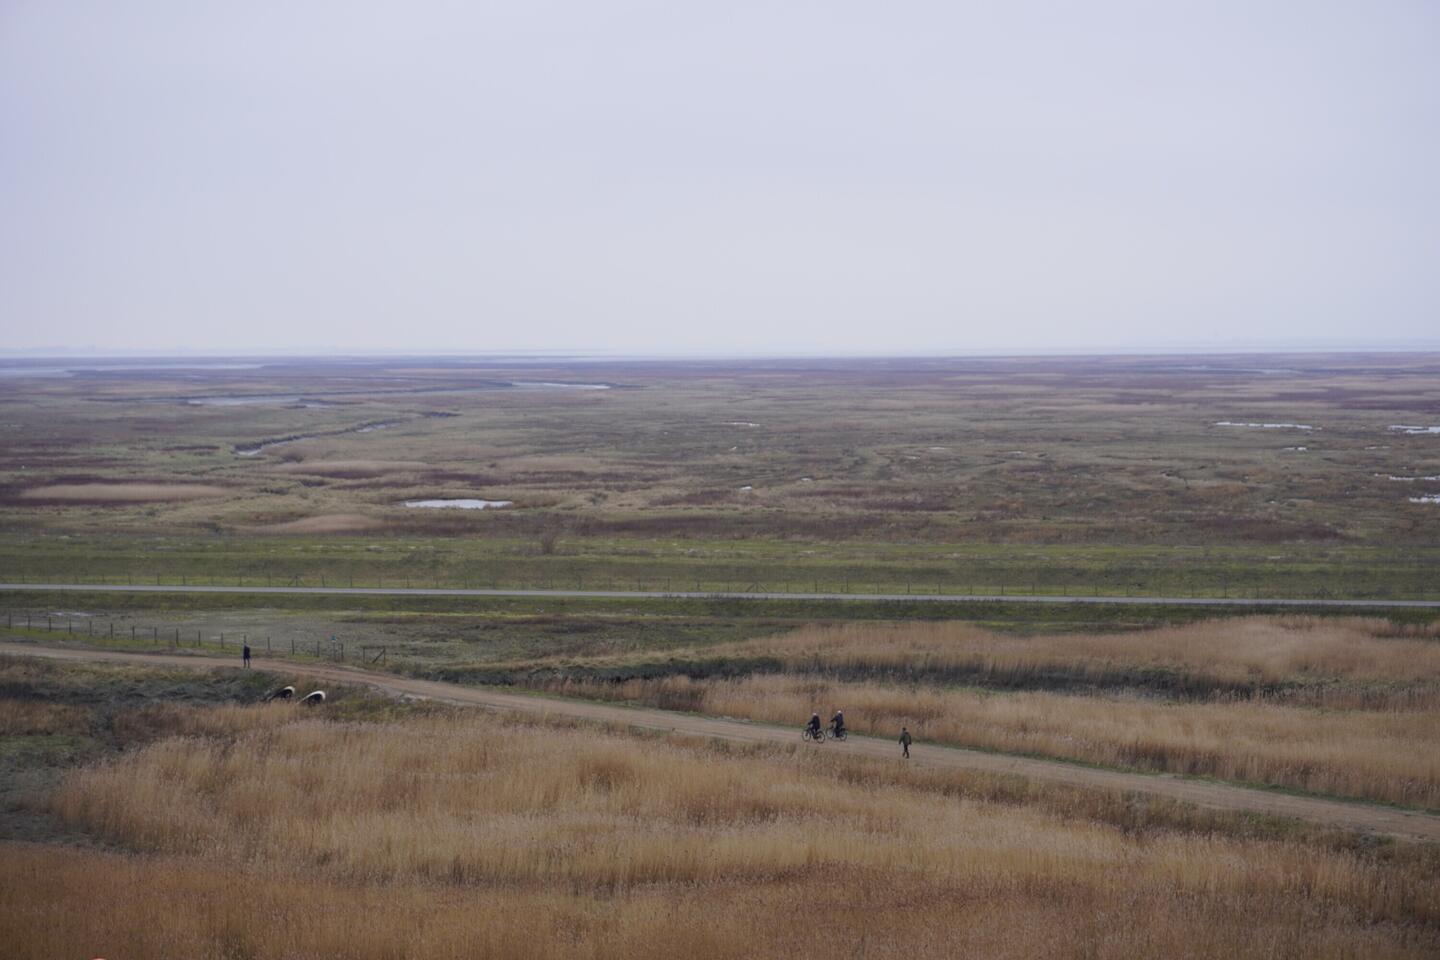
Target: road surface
column 723, row 595
column 1364, row 817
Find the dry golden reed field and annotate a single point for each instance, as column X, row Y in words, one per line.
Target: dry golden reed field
column 374, row 829
column 1344, row 707
column 272, row 832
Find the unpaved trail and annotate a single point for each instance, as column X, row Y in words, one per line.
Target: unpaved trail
column 1137, row 601
column 1363, row 817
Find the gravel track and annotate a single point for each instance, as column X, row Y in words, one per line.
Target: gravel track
column 725, row 595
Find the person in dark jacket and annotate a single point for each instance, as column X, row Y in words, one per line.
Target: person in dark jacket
column 905, row 741
column 245, row 655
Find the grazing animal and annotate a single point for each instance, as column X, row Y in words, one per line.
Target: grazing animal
column 284, row 693
column 316, row 696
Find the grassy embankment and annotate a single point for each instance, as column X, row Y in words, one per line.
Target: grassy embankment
column 461, row 637
column 485, row 552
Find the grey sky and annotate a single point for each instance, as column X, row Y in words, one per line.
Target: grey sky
column 736, row 177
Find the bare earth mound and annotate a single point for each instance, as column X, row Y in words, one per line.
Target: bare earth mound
column 120, row 492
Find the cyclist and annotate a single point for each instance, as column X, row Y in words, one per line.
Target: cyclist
column 837, row 722
column 814, row 724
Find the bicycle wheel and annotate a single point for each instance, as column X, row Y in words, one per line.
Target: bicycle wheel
column 840, row 735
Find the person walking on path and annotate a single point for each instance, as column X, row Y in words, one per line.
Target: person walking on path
column 245, row 655
column 905, row 741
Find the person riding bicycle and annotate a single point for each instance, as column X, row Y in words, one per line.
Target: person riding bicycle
column 837, row 722
column 814, row 724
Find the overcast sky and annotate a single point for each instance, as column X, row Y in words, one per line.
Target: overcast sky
column 732, row 177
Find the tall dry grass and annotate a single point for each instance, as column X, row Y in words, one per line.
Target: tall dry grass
column 1342, row 664
column 1264, row 650
column 25, row 717
column 1348, row 707
column 467, row 835
column 1382, row 755
column 75, row 903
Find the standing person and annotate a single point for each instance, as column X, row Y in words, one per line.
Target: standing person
column 245, row 655
column 905, row 741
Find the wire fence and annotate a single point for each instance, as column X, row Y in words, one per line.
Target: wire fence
column 173, row 637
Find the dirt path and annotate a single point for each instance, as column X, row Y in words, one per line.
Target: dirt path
column 1368, row 818
column 257, row 589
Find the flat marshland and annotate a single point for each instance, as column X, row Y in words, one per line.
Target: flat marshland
column 1106, row 475
column 384, row 830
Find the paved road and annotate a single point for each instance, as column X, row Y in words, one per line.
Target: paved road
column 1368, row 818
column 702, row 595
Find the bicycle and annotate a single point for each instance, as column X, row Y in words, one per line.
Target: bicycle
column 809, row 734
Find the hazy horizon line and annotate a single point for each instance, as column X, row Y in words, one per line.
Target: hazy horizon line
column 332, row 352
